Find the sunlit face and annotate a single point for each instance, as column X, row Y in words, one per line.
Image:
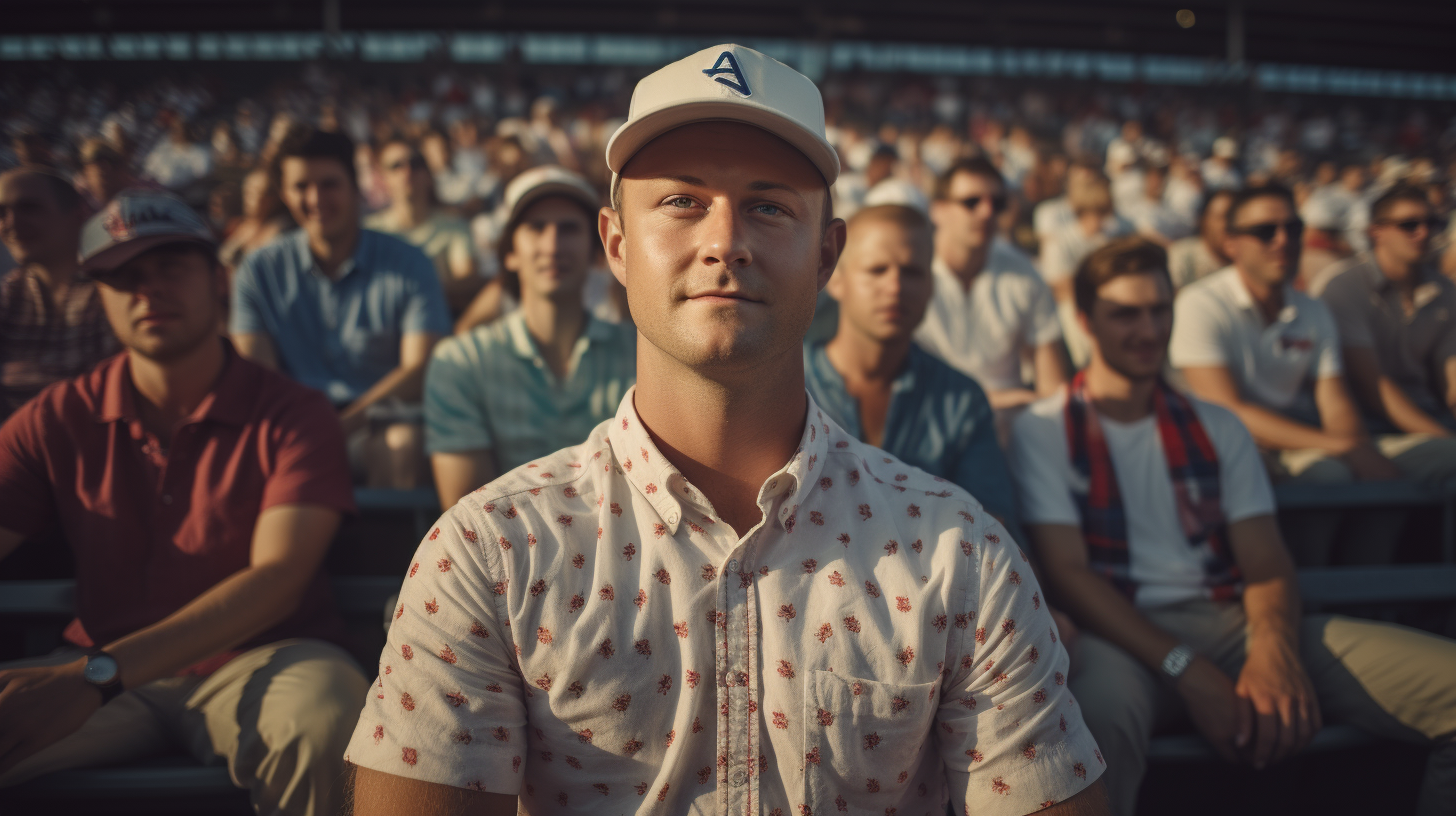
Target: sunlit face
column 321, row 196
column 163, row 303
column 33, row 225
column 967, row 215
column 551, row 249
column 1398, row 244
column 883, row 281
column 1215, row 221
column 721, row 244
column 1272, row 263
column 1130, row 323
column 259, row 198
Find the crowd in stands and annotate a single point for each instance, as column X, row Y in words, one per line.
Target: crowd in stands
column 332, row 283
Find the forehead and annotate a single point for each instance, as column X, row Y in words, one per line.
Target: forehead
column 1263, row 208
column 395, row 149
column 885, row 235
column 298, row 168
column 1137, row 289
column 964, row 185
column 723, row 154
column 20, row 187
column 552, row 208
column 1405, row 208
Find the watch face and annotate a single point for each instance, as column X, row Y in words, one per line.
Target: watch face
column 101, row 670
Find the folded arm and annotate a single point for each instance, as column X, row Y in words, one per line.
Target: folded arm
column 405, row 382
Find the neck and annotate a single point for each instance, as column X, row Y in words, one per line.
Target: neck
column 555, row 327
column 1404, row 275
column 171, row 391
column 727, row 433
column 1269, row 299
column 330, row 252
column 1117, row 396
column 412, row 211
column 965, row 261
column 863, row 360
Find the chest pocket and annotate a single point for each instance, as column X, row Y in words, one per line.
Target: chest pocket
column 865, row 743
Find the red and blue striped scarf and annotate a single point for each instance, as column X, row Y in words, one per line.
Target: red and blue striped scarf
column 1193, row 469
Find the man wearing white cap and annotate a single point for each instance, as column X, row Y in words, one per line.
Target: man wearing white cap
column 543, row 376
column 721, row 602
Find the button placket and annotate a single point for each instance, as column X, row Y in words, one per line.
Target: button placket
column 740, row 680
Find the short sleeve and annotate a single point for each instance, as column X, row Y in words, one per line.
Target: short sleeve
column 1328, row 362
column 447, row 706
column 310, row 462
column 426, row 312
column 1041, row 468
column 1197, row 337
column 1010, row 734
column 459, row 250
column 455, row 415
column 25, row 485
column 1350, row 308
column 1044, row 326
column 245, row 312
column 1244, row 483
column 1056, row 261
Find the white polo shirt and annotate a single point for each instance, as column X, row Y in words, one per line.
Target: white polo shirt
column 984, row 332
column 1216, row 323
column 584, row 632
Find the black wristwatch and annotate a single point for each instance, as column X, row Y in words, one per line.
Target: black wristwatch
column 103, row 672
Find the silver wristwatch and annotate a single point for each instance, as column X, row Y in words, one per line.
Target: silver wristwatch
column 102, row 672
column 1177, row 661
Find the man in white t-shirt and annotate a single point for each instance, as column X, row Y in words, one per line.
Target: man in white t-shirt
column 1186, row 598
column 1245, row 339
column 991, row 312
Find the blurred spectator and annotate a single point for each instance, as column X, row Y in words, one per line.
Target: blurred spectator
column 882, row 388
column 178, row 161
column 1343, row 202
column 1054, row 214
column 1149, row 212
column 1169, row 560
column 264, row 219
column 1198, row 256
column 540, row 378
column 1220, row 172
column 106, row 172
column 1324, row 240
column 415, row 215
column 1095, row 224
column 1397, row 318
column 198, row 493
column 991, row 314
column 349, row 311
column 1245, row 339
column 51, row 324
column 32, row 149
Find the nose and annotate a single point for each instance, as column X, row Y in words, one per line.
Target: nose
column 550, row 238
column 722, row 238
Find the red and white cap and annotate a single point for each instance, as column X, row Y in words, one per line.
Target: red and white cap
column 135, row 221
column 733, row 83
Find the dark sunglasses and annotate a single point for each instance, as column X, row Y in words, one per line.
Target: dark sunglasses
column 998, row 202
column 1410, row 225
column 1264, row 233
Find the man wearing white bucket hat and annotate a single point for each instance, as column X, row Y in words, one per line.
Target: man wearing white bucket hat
column 769, row 616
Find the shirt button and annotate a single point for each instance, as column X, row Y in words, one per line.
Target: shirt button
column 672, row 517
column 733, row 565
column 166, row 498
column 739, row 777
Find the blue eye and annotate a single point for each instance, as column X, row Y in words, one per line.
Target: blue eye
column 765, row 208
column 681, row 202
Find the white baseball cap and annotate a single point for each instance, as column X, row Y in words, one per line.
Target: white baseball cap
column 539, row 182
column 135, row 221
column 727, row 82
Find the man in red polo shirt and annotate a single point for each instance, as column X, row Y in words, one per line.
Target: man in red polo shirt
column 199, row 492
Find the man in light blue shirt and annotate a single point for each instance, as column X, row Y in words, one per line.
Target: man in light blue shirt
column 351, row 312
column 884, row 389
column 540, row 378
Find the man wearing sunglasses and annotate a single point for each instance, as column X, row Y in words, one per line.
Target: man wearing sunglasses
column 1244, row 338
column 991, row 310
column 1397, row 317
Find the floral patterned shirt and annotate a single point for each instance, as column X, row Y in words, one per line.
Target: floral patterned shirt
column 584, row 632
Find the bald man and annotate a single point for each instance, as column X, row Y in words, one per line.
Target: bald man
column 52, row 327
column 880, row 386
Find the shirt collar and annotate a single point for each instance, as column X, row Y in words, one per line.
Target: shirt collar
column 1239, row 294
column 676, row 500
column 230, row 401
column 307, row 261
column 520, row 341
column 1426, row 291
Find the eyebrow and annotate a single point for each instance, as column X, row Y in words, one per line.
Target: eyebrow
column 756, row 186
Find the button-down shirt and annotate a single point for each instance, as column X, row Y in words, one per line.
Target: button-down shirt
column 584, row 632
column 1412, row 347
column 490, row 389
column 153, row 528
column 939, row 421
column 1216, row 323
column 984, row 332
column 341, row 334
column 41, row 344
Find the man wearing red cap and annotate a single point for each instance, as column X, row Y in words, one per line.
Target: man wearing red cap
column 721, row 602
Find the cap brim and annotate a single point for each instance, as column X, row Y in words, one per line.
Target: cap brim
column 553, row 188
column 108, row 260
column 635, row 135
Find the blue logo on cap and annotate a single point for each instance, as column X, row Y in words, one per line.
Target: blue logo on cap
column 726, row 64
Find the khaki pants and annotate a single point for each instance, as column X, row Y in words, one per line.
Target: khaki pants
column 1389, row 680
column 1367, row 536
column 280, row 716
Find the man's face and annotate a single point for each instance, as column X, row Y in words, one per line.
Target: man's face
column 164, row 303
column 721, row 244
column 968, row 212
column 1215, row 221
column 883, row 281
column 405, row 172
column 551, row 248
column 321, row 197
column 33, row 225
column 1130, row 322
column 1404, row 233
column 1269, row 262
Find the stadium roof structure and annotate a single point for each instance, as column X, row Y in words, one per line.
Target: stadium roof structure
column 1404, row 35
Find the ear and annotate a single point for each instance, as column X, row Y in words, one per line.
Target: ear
column 609, row 227
column 830, row 247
